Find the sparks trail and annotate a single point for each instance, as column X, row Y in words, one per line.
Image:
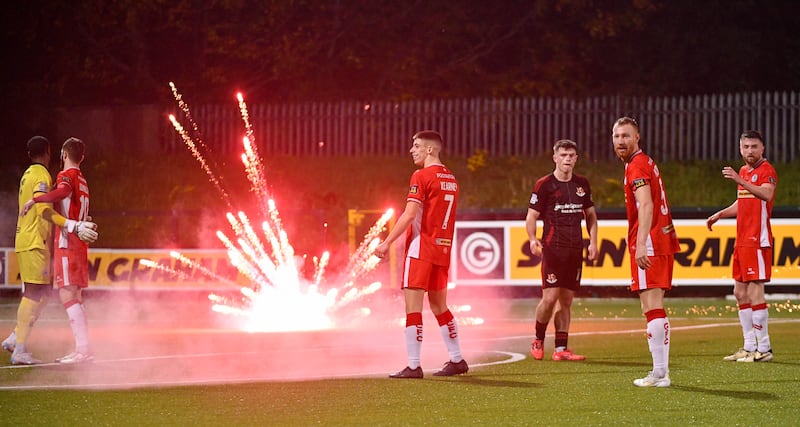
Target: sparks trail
column 277, row 297
column 195, row 144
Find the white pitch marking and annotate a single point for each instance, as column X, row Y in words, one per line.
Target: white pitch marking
column 513, row 357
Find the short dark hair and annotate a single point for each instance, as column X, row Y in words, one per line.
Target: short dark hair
column 75, row 149
column 566, row 144
column 753, row 134
column 430, row 135
column 625, row 120
column 38, row 146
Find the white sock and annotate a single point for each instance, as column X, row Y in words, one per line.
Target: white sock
column 746, row 320
column 450, row 335
column 80, row 327
column 761, row 329
column 413, row 345
column 658, row 342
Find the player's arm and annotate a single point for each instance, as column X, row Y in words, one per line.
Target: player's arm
column 591, row 226
column 728, row 212
column 405, row 219
column 56, row 195
column 530, row 227
column 645, row 219
column 764, row 191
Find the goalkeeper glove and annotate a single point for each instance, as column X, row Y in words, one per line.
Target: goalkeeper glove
column 85, row 230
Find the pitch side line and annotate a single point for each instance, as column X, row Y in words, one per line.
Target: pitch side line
column 512, row 358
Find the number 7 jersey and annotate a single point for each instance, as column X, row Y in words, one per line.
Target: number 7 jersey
column 430, row 236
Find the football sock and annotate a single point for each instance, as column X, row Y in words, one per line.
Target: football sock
column 561, row 340
column 658, row 340
column 413, row 338
column 80, row 327
column 26, row 317
column 449, row 329
column 760, row 321
column 746, row 320
column 541, row 329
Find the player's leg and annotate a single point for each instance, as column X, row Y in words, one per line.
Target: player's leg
column 35, row 274
column 448, row 327
column 542, row 316
column 562, row 320
column 544, row 310
column 651, row 285
column 34, row 297
column 415, row 273
column 744, row 305
column 72, row 276
column 568, row 285
column 763, row 351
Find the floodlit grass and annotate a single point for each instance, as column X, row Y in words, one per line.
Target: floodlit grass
column 599, row 391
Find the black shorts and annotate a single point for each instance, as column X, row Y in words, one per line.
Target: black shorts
column 562, row 267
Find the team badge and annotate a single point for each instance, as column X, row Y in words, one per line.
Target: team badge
column 413, row 190
column 551, row 278
column 534, row 199
column 580, row 192
column 754, row 178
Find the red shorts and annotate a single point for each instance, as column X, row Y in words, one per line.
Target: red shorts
column 659, row 275
column 421, row 274
column 752, row 264
column 71, row 268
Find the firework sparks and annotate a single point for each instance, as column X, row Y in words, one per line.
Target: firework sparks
column 279, row 298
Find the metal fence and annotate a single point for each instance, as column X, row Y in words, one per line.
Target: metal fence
column 704, row 127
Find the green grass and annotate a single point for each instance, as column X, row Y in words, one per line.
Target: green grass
column 705, row 389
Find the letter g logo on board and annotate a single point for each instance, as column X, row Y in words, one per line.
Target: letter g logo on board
column 480, row 254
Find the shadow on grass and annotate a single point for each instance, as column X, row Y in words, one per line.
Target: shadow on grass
column 479, row 381
column 620, row 363
column 735, row 394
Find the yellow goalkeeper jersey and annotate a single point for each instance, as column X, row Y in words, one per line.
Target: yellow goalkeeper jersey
column 33, row 231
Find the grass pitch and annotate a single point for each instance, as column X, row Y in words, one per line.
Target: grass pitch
column 254, row 379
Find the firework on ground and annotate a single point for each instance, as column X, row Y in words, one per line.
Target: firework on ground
column 278, row 297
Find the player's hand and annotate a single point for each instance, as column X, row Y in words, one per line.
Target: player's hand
column 729, row 173
column 26, row 207
column 711, row 221
column 536, row 247
column 592, row 252
column 381, row 250
column 642, row 260
column 87, row 231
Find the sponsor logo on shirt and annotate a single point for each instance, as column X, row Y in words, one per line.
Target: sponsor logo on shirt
column 444, row 242
column 568, row 208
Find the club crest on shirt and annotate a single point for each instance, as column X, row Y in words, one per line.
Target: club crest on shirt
column 551, row 278
column 580, row 191
column 414, row 189
column 754, row 178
